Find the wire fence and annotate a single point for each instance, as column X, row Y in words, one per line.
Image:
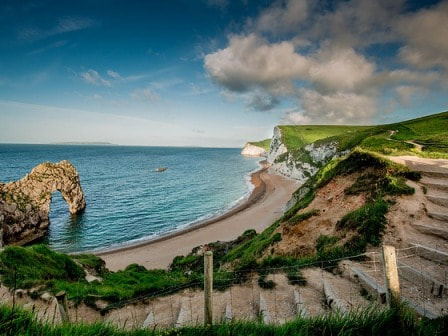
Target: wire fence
column 277, row 294
column 274, row 295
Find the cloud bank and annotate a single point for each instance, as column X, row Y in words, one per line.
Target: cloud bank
column 338, row 64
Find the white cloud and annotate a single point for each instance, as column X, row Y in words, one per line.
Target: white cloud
column 146, row 94
column 426, row 36
column 407, row 93
column 339, row 107
column 63, row 25
column 357, row 22
column 260, row 101
column 340, row 69
column 321, row 56
column 113, row 74
column 295, row 117
column 250, row 62
column 54, row 45
column 166, row 83
column 93, row 77
column 283, row 16
column 69, row 24
column 197, row 90
column 97, row 96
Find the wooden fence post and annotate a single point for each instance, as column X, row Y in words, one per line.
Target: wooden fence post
column 390, row 272
column 61, row 299
column 208, row 287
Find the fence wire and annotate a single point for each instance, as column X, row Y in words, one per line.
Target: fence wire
column 274, row 295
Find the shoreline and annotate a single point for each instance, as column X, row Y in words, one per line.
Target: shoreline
column 255, row 195
column 263, row 206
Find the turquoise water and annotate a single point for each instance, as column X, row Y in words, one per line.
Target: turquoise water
column 127, row 200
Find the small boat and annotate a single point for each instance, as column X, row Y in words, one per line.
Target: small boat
column 161, row 169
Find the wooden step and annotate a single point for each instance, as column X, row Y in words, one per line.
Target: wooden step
column 333, row 301
column 431, row 173
column 430, row 253
column 149, row 321
column 427, row 282
column 375, row 286
column 299, row 305
column 438, row 215
column 370, row 285
column 182, row 317
column 435, row 183
column 264, row 312
column 432, row 230
column 421, row 310
column 228, row 315
column 439, row 200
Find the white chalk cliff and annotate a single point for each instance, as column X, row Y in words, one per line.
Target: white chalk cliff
column 253, row 151
column 286, row 164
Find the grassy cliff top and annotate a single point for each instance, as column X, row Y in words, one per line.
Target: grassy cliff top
column 426, row 136
column 298, row 136
column 263, row 144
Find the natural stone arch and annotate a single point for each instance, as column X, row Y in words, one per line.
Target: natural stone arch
column 25, row 204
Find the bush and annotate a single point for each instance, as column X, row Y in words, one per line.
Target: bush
column 369, row 221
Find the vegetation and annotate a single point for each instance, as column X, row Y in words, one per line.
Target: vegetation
column 302, row 217
column 371, row 321
column 391, row 139
column 400, row 138
column 379, row 184
column 263, row 144
column 295, row 137
column 386, row 146
column 26, row 267
column 42, row 269
column 369, row 221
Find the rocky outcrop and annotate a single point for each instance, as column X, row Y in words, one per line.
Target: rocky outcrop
column 25, row 204
column 253, row 151
column 301, row 164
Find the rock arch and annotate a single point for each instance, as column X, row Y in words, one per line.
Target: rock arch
column 25, row 204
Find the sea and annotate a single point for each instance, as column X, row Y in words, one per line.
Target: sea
column 127, row 200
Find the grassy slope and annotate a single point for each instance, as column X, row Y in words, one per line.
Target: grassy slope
column 39, row 267
column 295, row 137
column 396, row 139
column 263, row 144
column 368, row 322
column 391, row 139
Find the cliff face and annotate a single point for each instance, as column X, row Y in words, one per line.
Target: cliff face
column 302, row 163
column 253, row 151
column 25, row 204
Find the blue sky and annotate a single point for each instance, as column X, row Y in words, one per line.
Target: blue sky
column 214, row 72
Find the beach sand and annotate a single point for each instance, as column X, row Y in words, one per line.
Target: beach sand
column 262, row 208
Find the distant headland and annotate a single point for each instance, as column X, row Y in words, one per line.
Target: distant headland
column 84, row 143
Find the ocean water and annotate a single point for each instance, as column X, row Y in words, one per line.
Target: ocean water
column 127, row 200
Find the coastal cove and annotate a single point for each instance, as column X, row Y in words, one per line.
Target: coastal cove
column 266, row 203
column 127, row 200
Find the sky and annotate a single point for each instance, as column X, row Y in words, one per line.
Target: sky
column 214, row 73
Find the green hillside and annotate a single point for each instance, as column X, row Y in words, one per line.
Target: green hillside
column 263, row 144
column 297, row 136
column 426, row 136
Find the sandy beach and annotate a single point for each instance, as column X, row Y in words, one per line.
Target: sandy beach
column 265, row 204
